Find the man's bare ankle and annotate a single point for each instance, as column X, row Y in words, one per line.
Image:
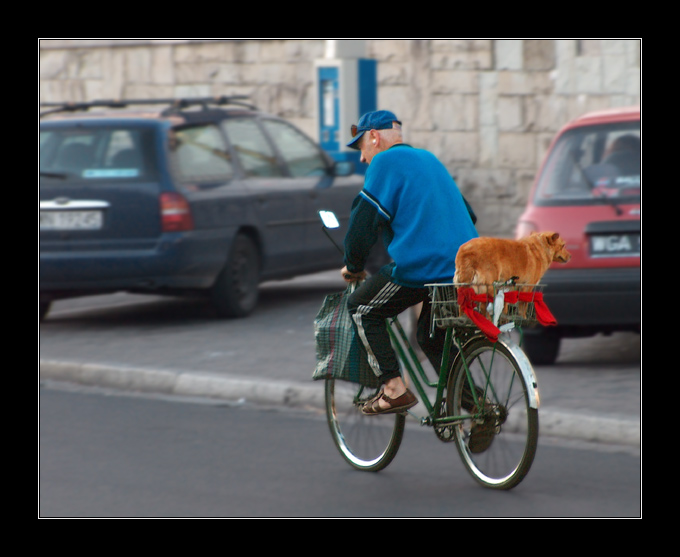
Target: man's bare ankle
column 395, row 387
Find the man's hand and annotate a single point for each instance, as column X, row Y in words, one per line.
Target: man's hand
column 352, row 277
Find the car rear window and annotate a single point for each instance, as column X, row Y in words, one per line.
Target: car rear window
column 593, row 164
column 95, row 154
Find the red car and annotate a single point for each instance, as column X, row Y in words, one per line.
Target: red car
column 588, row 190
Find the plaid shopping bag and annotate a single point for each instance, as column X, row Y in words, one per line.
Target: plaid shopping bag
column 338, row 351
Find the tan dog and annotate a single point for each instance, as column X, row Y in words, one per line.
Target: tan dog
column 486, row 260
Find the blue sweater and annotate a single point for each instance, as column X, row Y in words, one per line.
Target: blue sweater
column 409, row 196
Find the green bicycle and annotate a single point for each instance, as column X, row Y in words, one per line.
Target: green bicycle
column 485, row 397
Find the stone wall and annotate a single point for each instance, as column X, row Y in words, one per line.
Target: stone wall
column 487, row 108
column 277, row 74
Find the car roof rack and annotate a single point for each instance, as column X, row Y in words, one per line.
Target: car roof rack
column 175, row 105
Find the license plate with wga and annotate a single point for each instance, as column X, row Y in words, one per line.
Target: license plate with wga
column 615, row 245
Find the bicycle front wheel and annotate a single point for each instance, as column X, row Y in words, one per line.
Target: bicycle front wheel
column 498, row 440
column 366, row 442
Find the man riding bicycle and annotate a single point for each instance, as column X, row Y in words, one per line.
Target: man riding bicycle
column 411, row 199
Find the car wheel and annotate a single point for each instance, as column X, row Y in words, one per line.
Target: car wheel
column 541, row 347
column 236, row 290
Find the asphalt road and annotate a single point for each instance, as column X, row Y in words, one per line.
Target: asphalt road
column 103, row 454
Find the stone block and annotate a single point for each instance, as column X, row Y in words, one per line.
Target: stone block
column 508, row 54
column 454, row 112
column 205, row 52
column 162, row 66
column 524, row 83
column 510, row 113
column 488, row 146
column 196, row 90
column 52, row 64
column 148, row 91
column 538, row 54
column 516, row 150
column 137, row 65
column 588, row 73
column 447, row 81
column 393, row 73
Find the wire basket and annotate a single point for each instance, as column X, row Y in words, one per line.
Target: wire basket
column 498, row 303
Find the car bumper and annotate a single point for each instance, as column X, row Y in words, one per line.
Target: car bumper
column 186, row 260
column 606, row 298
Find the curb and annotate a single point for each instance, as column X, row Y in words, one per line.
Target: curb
column 271, row 392
column 553, row 422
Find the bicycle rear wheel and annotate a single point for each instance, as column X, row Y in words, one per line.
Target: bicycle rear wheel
column 366, row 442
column 498, row 442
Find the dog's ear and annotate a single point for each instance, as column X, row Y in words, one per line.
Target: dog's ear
column 553, row 238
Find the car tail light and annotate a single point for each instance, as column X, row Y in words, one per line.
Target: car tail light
column 175, row 213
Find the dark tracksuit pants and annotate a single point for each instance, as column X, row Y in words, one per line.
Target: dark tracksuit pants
column 377, row 299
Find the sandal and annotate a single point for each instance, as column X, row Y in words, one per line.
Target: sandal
column 396, row 405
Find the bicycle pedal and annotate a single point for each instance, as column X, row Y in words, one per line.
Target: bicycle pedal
column 422, row 420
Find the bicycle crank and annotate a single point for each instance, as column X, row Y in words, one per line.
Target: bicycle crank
column 445, row 433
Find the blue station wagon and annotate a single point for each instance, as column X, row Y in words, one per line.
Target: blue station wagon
column 204, row 196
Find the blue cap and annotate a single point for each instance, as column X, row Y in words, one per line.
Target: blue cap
column 376, row 120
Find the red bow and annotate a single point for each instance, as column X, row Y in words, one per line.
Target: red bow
column 543, row 314
column 467, row 298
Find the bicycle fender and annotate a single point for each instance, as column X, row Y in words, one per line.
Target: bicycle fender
column 526, row 368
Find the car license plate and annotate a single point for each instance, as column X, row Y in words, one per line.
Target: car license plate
column 70, row 220
column 615, row 245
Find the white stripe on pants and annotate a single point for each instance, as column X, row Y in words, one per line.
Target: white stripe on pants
column 380, row 299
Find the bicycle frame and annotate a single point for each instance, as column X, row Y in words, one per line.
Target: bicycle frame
column 435, row 415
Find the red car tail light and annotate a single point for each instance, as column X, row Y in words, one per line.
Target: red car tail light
column 175, row 213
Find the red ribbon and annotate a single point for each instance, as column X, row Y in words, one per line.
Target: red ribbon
column 543, row 314
column 467, row 298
